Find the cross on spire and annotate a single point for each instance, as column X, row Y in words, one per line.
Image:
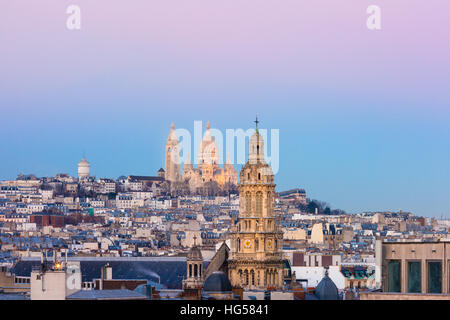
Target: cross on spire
column 256, row 121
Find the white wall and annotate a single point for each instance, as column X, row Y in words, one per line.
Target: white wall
column 315, row 274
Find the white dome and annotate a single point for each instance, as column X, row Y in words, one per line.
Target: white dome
column 208, row 151
column 83, row 163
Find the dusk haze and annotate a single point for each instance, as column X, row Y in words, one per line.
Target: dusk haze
column 225, row 150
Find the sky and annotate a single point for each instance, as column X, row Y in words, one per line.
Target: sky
column 363, row 115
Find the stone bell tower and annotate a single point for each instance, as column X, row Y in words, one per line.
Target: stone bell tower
column 172, row 157
column 194, row 268
column 256, row 258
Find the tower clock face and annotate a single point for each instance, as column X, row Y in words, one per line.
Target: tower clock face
column 247, row 243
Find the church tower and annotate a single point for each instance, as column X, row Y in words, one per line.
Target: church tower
column 194, row 268
column 172, row 157
column 256, row 259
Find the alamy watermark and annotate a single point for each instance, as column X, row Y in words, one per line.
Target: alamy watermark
column 73, row 21
column 234, row 142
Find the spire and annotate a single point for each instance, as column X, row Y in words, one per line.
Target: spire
column 172, row 134
column 256, row 122
column 208, row 125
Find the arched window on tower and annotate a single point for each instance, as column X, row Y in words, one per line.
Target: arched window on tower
column 259, row 200
column 253, row 277
column 190, row 271
column 269, row 203
column 248, row 203
column 195, row 270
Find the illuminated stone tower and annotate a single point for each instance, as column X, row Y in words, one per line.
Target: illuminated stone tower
column 172, row 157
column 256, row 258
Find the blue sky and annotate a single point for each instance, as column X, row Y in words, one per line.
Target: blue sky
column 364, row 116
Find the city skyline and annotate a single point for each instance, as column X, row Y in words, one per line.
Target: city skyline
column 363, row 116
column 72, row 170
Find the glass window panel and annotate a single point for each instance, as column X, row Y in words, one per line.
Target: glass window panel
column 434, row 277
column 394, row 282
column 414, row 277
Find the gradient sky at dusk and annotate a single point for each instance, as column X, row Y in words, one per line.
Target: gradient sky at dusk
column 364, row 116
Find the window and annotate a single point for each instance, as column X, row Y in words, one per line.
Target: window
column 414, row 277
column 268, row 203
column 248, row 203
column 259, row 203
column 434, row 277
column 394, row 281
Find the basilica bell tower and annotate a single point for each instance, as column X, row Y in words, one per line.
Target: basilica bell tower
column 256, row 258
column 172, row 157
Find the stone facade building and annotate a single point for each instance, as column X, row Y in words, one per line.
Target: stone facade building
column 207, row 174
column 194, row 269
column 172, row 173
column 256, row 257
